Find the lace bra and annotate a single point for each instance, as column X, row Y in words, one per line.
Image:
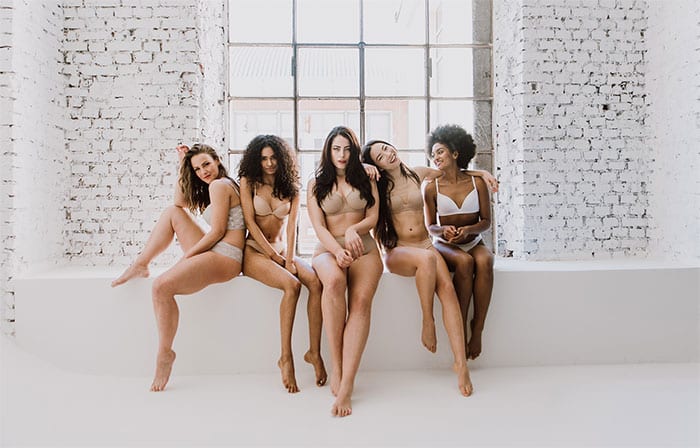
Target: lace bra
column 446, row 206
column 235, row 218
column 335, row 203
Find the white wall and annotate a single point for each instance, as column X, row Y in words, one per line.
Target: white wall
column 34, row 163
column 576, row 176
column 673, row 82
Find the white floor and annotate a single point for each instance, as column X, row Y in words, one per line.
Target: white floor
column 632, row 405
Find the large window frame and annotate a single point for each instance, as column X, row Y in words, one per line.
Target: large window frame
column 412, row 155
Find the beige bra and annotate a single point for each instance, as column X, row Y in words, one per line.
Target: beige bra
column 335, row 203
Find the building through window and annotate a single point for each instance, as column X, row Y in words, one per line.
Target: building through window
column 388, row 69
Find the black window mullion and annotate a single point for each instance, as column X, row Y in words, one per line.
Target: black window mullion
column 361, row 52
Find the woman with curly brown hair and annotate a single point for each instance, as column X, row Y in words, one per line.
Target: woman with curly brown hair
column 270, row 200
column 343, row 208
column 210, row 257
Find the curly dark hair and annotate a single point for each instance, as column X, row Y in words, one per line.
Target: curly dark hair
column 194, row 189
column 385, row 230
column 456, row 139
column 287, row 176
column 355, row 174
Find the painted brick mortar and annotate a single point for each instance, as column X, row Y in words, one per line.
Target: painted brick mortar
column 584, row 165
column 133, row 94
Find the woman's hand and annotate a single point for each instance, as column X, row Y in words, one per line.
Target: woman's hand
column 491, row 181
column 291, row 267
column 343, row 258
column 353, row 243
column 371, row 171
column 462, row 236
column 449, row 232
column 279, row 259
column 181, row 151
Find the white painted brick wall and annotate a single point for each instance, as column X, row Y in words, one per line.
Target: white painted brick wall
column 133, row 94
column 579, row 169
column 6, row 102
column 32, row 127
column 673, row 42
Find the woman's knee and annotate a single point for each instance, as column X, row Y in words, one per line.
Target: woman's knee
column 161, row 289
column 464, row 265
column 484, row 262
column 334, row 284
column 292, row 285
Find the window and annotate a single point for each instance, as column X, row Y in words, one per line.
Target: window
column 389, row 69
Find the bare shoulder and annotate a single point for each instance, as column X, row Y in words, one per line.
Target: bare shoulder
column 430, row 187
column 311, row 184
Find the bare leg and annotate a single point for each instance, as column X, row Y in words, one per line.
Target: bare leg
column 186, row 277
column 454, row 326
column 263, row 269
column 364, row 275
column 173, row 221
column 313, row 310
column 410, row 262
column 334, row 309
column 483, row 286
column 462, row 264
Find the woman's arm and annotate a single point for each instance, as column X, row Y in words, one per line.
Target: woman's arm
column 179, row 197
column 292, row 235
column 426, row 173
column 486, row 177
column 318, row 221
column 220, row 205
column 430, row 212
column 252, row 225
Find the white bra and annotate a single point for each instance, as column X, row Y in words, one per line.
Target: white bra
column 446, row 206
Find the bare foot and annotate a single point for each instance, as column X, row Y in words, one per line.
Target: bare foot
column 474, row 346
column 343, row 405
column 288, row 379
column 164, row 365
column 336, row 376
column 428, row 336
column 315, row 360
column 463, row 380
column 133, row 271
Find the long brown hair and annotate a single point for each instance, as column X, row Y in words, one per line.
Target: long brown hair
column 287, row 176
column 385, row 230
column 195, row 190
column 355, row 174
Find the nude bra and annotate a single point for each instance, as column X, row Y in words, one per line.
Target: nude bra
column 335, row 203
column 406, row 197
column 446, row 206
column 235, row 218
column 263, row 208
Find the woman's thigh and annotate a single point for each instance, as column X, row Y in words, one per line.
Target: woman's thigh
column 453, row 256
column 405, row 260
column 363, row 276
column 195, row 273
column 187, row 230
column 327, row 269
column 261, row 268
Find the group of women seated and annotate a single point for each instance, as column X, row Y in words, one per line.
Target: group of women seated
column 427, row 221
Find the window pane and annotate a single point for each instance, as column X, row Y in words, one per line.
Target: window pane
column 336, row 21
column 395, row 72
column 474, row 116
column 451, row 21
column 246, row 17
column 400, row 122
column 261, row 71
column 459, row 72
column 318, row 117
column 328, row 72
column 253, row 117
column 394, row 21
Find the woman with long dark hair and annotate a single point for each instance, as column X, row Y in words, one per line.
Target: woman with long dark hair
column 409, row 251
column 343, row 208
column 270, row 200
column 213, row 256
